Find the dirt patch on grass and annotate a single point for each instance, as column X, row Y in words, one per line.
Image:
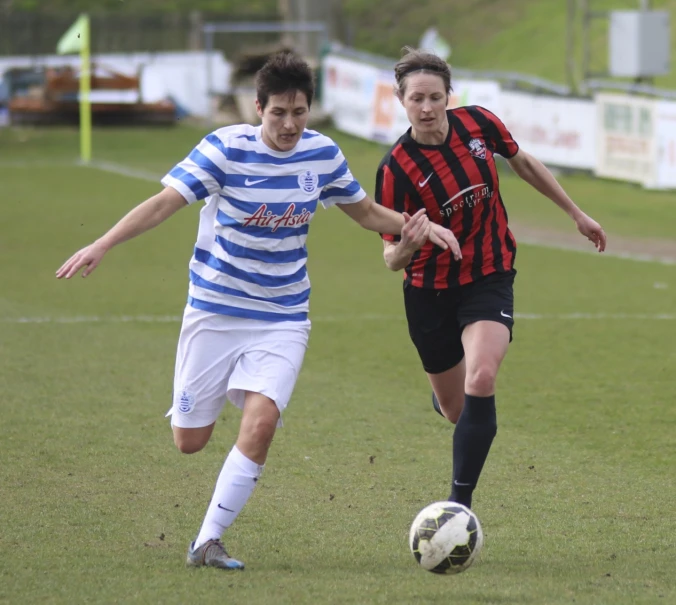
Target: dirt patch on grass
column 659, row 250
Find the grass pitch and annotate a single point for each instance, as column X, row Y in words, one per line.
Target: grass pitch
column 97, row 506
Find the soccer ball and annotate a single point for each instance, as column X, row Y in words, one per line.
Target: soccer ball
column 446, row 537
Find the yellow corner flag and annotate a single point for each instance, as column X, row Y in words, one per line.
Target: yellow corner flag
column 76, row 39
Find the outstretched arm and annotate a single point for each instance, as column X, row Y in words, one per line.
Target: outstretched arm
column 144, row 217
column 375, row 217
column 536, row 174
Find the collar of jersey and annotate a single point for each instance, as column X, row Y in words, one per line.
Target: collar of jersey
column 273, row 152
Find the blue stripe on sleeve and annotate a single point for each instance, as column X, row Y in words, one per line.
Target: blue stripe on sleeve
column 348, row 191
column 340, row 171
column 213, row 140
column 208, row 166
column 191, row 181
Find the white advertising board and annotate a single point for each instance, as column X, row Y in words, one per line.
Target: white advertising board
column 665, row 118
column 626, row 138
column 179, row 75
column 361, row 99
column 556, row 130
column 348, row 94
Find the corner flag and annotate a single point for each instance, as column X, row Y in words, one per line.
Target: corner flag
column 76, row 39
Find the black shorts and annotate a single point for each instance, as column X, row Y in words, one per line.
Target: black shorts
column 436, row 318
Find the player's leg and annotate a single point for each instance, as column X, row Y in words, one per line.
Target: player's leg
column 485, row 344
column 236, row 481
column 192, row 440
column 486, row 312
column 448, row 391
column 205, row 357
column 208, row 349
column 261, row 384
column 435, row 332
column 259, row 421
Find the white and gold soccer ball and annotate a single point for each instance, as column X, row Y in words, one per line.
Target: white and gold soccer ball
column 446, row 537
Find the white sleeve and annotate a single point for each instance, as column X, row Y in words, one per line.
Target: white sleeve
column 202, row 173
column 342, row 187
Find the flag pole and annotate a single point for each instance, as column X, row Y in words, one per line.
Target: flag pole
column 85, row 87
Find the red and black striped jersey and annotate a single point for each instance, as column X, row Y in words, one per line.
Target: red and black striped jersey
column 457, row 182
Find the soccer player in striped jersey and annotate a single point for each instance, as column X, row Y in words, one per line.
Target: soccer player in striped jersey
column 460, row 313
column 245, row 327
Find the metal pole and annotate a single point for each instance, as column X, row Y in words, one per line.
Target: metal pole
column 284, row 9
column 586, row 47
column 303, row 18
column 209, row 47
column 570, row 45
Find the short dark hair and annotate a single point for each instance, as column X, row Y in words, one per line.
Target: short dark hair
column 284, row 72
column 415, row 60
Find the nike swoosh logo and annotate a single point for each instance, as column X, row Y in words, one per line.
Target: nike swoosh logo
column 223, row 508
column 249, row 182
column 461, row 484
column 423, row 183
column 505, row 315
column 457, row 195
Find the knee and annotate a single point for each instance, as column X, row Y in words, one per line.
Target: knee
column 480, row 381
column 188, row 445
column 260, row 430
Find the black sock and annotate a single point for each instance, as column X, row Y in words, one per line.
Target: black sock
column 472, row 440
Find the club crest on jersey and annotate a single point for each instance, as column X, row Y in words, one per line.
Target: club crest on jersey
column 477, row 148
column 308, row 181
column 186, row 402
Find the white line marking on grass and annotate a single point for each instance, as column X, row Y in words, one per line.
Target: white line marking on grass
column 95, row 319
column 114, row 168
column 111, row 167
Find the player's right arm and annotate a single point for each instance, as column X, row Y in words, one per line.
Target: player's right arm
column 197, row 177
column 144, row 217
column 399, row 249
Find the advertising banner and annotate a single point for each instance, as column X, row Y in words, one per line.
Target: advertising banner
column 626, row 139
column 558, row 131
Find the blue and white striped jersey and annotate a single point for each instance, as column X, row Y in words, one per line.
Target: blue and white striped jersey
column 250, row 255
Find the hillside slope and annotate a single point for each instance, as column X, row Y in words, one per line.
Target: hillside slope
column 527, row 36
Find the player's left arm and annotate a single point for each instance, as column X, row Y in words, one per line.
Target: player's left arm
column 538, row 176
column 375, row 217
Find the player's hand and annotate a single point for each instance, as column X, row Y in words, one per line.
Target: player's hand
column 588, row 227
column 416, row 230
column 88, row 257
column 445, row 239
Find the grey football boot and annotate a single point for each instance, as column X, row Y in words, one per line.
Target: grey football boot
column 211, row 554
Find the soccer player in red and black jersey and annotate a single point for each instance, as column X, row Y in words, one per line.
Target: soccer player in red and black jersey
column 459, row 305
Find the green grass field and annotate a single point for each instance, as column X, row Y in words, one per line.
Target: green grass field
column 97, row 505
column 509, row 35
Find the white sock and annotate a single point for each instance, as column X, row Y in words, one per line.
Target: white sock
column 234, row 486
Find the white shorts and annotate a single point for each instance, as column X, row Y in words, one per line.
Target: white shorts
column 221, row 357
